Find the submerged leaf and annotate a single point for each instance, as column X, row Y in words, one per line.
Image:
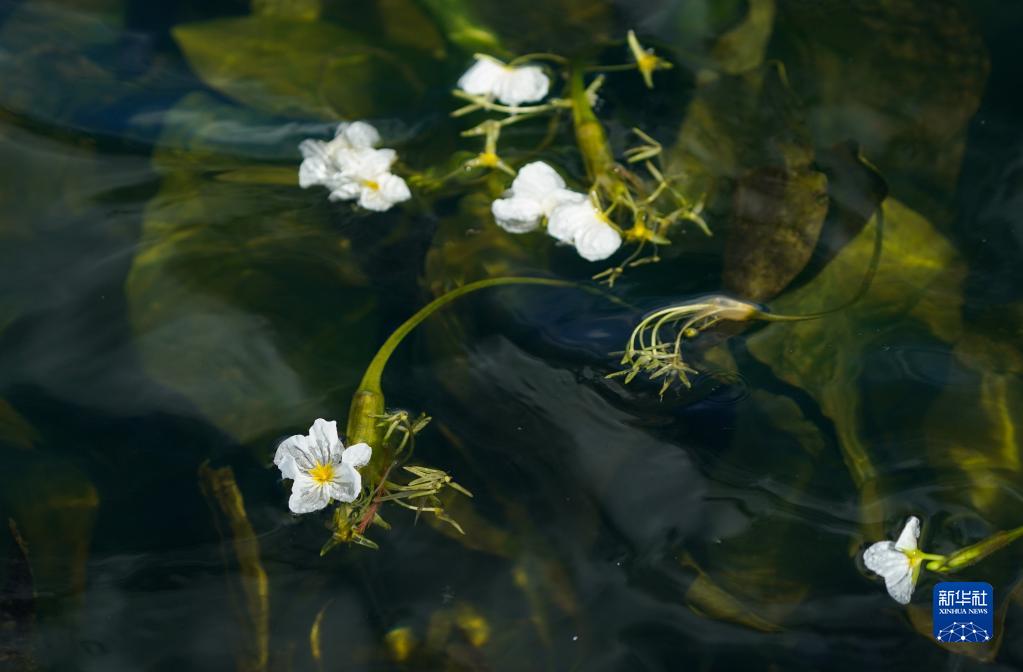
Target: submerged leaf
column 974, row 427
column 778, row 218
column 714, row 36
column 53, row 507
column 919, row 274
column 232, row 522
column 299, row 68
column 742, row 48
column 901, row 77
column 243, row 298
column 707, row 598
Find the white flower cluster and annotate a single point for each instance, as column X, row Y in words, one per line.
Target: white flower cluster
column 538, row 192
column 352, row 168
column 321, row 467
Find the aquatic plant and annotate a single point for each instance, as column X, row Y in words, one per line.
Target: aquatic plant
column 899, row 562
column 352, row 168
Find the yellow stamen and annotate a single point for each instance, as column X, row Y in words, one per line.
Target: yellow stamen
column 370, row 184
column 322, row 473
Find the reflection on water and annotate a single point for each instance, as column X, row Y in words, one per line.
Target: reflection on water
column 172, row 304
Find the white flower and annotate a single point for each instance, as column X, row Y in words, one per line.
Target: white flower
column 536, row 191
column 896, row 561
column 583, row 225
column 321, row 467
column 510, row 85
column 352, row 169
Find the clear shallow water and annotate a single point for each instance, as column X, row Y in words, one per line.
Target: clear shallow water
column 170, row 299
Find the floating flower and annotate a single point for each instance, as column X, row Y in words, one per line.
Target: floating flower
column 583, row 225
column 897, row 562
column 511, row 85
column 536, row 191
column 351, row 167
column 321, row 467
column 646, row 60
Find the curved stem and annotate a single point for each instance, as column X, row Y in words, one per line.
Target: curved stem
column 368, row 400
column 371, row 379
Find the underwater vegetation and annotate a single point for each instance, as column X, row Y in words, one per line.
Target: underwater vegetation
column 472, row 335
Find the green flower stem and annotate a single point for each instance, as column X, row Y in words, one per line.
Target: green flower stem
column 368, row 401
column 973, row 554
column 590, row 136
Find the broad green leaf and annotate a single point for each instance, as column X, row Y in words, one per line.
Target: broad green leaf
column 299, row 68
column 857, row 65
column 918, row 277
column 243, row 296
column 975, row 426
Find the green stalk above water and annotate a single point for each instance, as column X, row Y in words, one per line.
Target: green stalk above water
column 368, row 401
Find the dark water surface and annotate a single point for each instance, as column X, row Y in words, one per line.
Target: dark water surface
column 172, row 305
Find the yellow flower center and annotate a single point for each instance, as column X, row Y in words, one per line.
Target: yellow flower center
column 370, row 184
column 647, row 62
column 322, row 473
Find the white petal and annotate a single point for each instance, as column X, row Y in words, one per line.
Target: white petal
column 527, row 84
column 357, row 456
column 483, row 77
column 358, row 134
column 293, row 455
column 884, row 559
column 517, row 214
column 346, row 190
column 900, row 587
column 388, row 190
column 346, row 485
column 910, row 534
column 597, row 241
column 560, row 197
column 366, row 164
column 307, row 495
column 324, row 443
column 313, row 149
column 312, row 171
column 569, row 220
column 537, row 180
column 394, row 188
